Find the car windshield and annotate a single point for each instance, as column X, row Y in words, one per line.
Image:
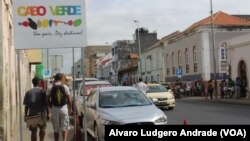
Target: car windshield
column 89, row 88
column 156, row 88
column 123, row 98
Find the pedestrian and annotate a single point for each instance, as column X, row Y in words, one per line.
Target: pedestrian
column 210, row 89
column 223, row 88
column 189, row 88
column 35, row 104
column 230, row 87
column 61, row 104
column 142, row 86
column 237, row 87
column 243, row 87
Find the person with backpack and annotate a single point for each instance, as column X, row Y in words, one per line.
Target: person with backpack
column 60, row 101
column 35, row 105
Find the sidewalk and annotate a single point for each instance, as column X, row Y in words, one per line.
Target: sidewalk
column 242, row 101
column 49, row 135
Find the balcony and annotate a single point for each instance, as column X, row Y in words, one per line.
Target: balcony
column 128, row 65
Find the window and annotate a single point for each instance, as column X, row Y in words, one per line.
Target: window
column 223, row 65
column 195, row 54
column 179, row 58
column 223, row 56
column 172, row 58
column 186, row 56
column 173, row 66
column 223, row 52
column 167, row 60
column 195, row 67
column 168, row 71
column 195, row 59
column 173, row 71
column 187, row 60
column 187, row 68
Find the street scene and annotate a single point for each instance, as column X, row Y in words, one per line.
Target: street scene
column 68, row 69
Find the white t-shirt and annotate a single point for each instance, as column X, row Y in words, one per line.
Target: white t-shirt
column 65, row 107
column 142, row 87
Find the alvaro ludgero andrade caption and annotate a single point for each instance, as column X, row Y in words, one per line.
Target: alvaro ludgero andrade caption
column 183, row 132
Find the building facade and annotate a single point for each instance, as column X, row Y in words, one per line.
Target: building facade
column 12, row 90
column 126, row 56
column 121, row 63
column 192, row 50
column 104, row 67
column 91, row 53
column 238, row 59
column 153, row 64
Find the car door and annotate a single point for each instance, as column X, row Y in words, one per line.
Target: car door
column 91, row 109
column 79, row 100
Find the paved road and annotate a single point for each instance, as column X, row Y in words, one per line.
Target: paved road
column 208, row 112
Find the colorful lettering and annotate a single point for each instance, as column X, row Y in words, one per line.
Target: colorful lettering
column 31, row 11
column 65, row 10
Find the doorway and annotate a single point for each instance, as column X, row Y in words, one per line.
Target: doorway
column 242, row 74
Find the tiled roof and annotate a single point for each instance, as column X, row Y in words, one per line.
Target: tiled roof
column 221, row 19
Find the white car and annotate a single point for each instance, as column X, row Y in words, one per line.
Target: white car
column 89, row 86
column 120, row 105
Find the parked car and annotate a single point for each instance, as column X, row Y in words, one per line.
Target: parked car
column 88, row 88
column 77, row 82
column 120, row 105
column 165, row 98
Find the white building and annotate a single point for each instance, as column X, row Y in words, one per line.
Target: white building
column 238, row 58
column 192, row 50
column 104, row 67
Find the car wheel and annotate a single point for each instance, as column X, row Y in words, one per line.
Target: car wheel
column 96, row 133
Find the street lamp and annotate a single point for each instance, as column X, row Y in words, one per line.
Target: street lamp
column 139, row 45
column 213, row 43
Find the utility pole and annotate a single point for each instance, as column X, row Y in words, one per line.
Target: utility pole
column 213, row 45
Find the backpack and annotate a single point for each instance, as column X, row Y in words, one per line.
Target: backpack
column 58, row 95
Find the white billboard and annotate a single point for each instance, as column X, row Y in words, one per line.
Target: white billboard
column 49, row 23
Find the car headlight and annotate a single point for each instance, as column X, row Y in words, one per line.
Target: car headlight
column 108, row 122
column 161, row 119
column 172, row 97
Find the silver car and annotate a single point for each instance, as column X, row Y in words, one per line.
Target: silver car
column 89, row 86
column 120, row 105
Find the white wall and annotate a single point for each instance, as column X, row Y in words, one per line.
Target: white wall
column 238, row 50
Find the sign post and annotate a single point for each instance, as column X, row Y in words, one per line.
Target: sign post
column 179, row 72
column 48, row 24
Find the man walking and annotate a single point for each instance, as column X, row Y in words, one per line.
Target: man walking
column 142, row 86
column 59, row 98
column 35, row 104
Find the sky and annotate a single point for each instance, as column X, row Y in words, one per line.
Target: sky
column 111, row 20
